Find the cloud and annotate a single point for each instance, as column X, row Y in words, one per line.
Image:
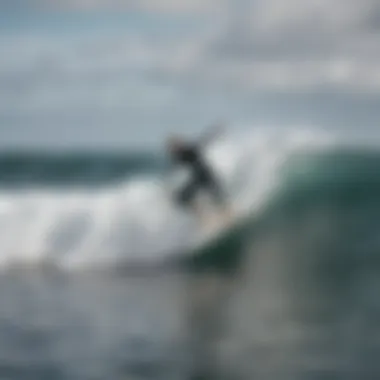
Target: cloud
column 297, row 27
column 294, row 45
column 160, row 6
column 232, row 47
column 44, row 72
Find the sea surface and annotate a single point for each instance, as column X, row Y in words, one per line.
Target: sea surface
column 91, row 288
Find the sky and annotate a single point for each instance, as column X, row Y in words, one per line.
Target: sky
column 125, row 73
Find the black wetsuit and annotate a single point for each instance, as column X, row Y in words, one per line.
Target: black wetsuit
column 202, row 177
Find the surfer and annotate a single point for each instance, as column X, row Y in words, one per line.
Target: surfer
column 202, row 177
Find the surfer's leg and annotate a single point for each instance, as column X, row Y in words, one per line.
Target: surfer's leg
column 219, row 198
column 186, row 196
column 216, row 191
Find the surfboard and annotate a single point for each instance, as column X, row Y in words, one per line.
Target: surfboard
column 220, row 248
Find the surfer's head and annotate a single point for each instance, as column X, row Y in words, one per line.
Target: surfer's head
column 175, row 144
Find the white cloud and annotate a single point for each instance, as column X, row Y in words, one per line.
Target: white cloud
column 295, row 45
column 161, row 6
column 326, row 15
column 46, row 73
column 266, row 45
column 186, row 6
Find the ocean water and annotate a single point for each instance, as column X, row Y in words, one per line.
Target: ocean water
column 90, row 287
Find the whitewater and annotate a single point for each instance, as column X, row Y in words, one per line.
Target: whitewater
column 131, row 219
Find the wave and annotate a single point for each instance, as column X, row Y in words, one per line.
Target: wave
column 80, row 169
column 133, row 221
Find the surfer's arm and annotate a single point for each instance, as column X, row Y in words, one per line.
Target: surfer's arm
column 210, row 135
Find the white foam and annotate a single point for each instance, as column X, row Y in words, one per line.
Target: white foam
column 135, row 221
